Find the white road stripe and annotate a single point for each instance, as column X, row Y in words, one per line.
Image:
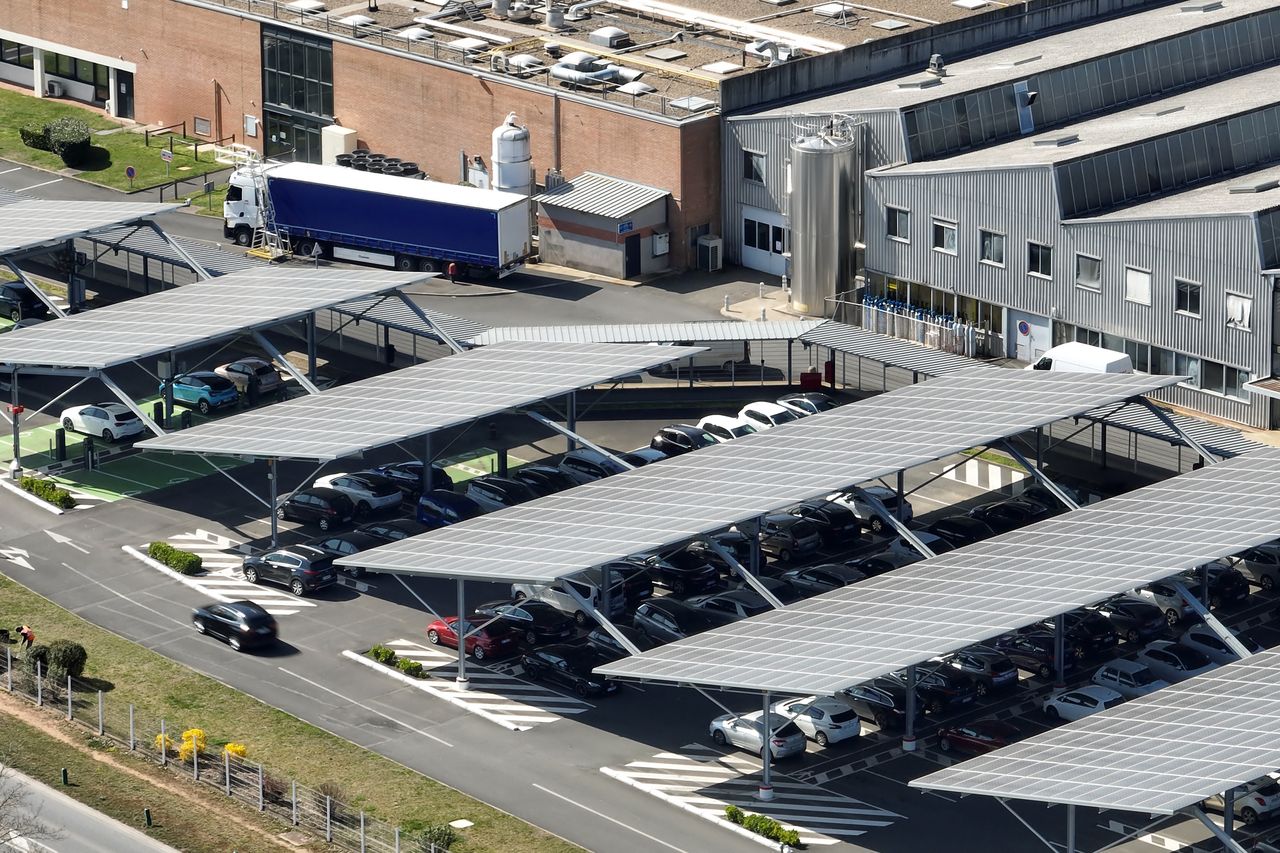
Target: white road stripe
column 36, row 186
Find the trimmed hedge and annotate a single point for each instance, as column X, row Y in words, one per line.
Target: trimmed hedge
column 410, row 668
column 182, row 562
column 35, row 136
column 67, row 658
column 69, row 139
column 48, row 491
column 436, row 836
column 763, row 825
column 382, row 654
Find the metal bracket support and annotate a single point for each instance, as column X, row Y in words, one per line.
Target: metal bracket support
column 1217, row 627
column 568, row 433
column 893, row 521
column 36, row 291
column 1039, row 475
column 1228, row 842
column 194, row 265
column 128, row 401
column 752, row 580
column 1164, row 418
column 432, row 324
column 276, row 356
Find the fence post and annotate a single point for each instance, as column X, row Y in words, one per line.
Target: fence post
column 226, row 766
column 39, row 685
column 8, row 669
column 328, row 819
column 70, row 712
column 362, row 850
column 262, row 806
column 101, row 728
column 293, row 802
column 195, row 761
column 164, row 744
column 133, row 742
column 397, row 840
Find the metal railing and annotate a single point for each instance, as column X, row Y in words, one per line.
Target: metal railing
column 314, row 810
column 905, row 322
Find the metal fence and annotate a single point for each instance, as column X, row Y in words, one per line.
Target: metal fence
column 314, row 810
column 928, row 328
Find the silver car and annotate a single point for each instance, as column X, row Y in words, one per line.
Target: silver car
column 1203, row 639
column 745, row 732
column 1128, row 678
column 1260, row 565
column 1174, row 662
column 868, row 516
column 1253, row 800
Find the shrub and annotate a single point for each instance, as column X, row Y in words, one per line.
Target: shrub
column 67, row 658
column 382, row 654
column 239, row 750
column 734, row 814
column 37, row 654
column 195, row 737
column 182, row 562
column 48, row 491
column 164, row 744
column 410, row 668
column 275, row 789
column 69, row 139
column 35, row 136
column 436, row 836
column 763, row 825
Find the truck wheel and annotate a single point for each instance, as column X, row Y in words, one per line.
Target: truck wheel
column 405, row 263
column 428, row 265
column 243, row 236
column 304, row 248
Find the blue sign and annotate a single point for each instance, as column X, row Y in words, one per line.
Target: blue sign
column 130, row 172
column 1024, row 328
column 624, row 227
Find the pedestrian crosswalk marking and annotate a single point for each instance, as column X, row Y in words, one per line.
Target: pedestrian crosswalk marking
column 704, row 780
column 984, row 475
column 223, row 580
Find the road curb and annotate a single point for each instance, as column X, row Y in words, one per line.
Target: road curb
column 161, row 567
column 24, row 494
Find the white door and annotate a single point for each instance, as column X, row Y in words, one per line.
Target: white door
column 1029, row 336
column 764, row 239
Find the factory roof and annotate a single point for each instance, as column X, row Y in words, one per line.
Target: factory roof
column 1239, row 195
column 601, row 195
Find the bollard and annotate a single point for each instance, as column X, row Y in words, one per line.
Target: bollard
column 761, row 293
column 146, row 815
column 726, row 302
column 65, row 781
column 762, row 313
column 101, row 728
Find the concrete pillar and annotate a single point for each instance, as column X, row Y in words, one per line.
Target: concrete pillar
column 113, row 102
column 37, row 70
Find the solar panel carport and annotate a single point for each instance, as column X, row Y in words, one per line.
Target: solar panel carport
column 39, row 223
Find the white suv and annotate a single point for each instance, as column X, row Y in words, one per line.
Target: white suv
column 368, row 491
column 869, row 517
column 556, row 594
column 765, row 415
column 727, row 428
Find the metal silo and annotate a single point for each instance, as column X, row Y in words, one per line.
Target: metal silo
column 512, row 160
column 825, row 211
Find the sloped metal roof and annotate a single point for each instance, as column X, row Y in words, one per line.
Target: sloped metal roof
column 886, row 349
column 396, row 315
column 147, row 243
column 643, row 333
column 601, row 195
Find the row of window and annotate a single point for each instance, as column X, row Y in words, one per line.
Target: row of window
column 765, row 237
column 1203, row 374
column 1137, row 281
column 12, row 53
column 297, row 72
column 77, row 69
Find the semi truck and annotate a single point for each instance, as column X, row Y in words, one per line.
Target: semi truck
column 386, row 220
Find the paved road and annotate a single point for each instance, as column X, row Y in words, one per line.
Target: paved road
column 82, row 829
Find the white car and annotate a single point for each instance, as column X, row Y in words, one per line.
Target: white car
column 367, row 490
column 1163, row 595
column 765, row 415
column 1253, row 800
column 109, row 421
column 807, row 402
column 1203, row 639
column 1260, row 565
column 821, row 718
column 1128, row 678
column 869, row 517
column 1080, row 702
column 726, row 428
column 745, row 732
column 1174, row 662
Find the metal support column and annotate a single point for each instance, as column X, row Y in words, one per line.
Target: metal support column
column 789, row 343
column 757, row 558
column 1103, row 443
column 298, row 376
column 892, row 520
column 766, row 753
column 1039, row 448
column 461, row 681
column 1039, row 476
column 575, row 439
column 427, row 474
column 752, row 578
column 1059, row 651
column 311, row 347
column 168, row 389
column 1229, row 811
column 1228, row 843
column 606, row 590
column 1071, row 828
column 1211, row 621
column 901, row 509
column 501, row 453
column 1204, row 582
column 1164, row 418
column 909, row 729
column 15, row 467
column 272, row 491
column 571, row 419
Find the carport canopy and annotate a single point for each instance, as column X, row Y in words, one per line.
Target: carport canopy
column 191, row 315
column 698, row 493
column 415, row 401
column 641, row 333
column 1159, row 753
column 31, row 224
column 943, row 604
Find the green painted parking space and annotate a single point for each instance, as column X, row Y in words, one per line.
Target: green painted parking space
column 144, row 472
column 476, row 463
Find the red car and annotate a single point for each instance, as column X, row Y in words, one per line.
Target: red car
column 977, row 738
column 495, row 640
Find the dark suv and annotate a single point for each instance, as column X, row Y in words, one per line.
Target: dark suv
column 1034, row 652
column 324, row 507
column 301, row 568
column 681, row 572
column 17, row 302
column 1088, row 630
column 941, row 689
column 837, row 525
column 439, row 508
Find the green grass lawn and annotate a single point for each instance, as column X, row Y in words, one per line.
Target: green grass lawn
column 111, row 153
column 208, row 205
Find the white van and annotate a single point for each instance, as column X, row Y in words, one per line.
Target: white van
column 1075, row 357
column 717, row 355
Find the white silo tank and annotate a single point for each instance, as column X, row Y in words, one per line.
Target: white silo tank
column 512, row 159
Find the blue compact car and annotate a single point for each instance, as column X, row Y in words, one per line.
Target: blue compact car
column 204, row 391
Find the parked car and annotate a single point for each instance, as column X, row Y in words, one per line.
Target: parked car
column 1252, row 802
column 885, row 561
column 1088, row 631
column 492, row 492
column 1203, row 639
column 821, row 719
column 408, row 476
column 301, row 568
column 864, row 512
column 882, row 701
column 807, row 402
column 787, row 537
column 1174, row 662
column 325, row 508
column 204, row 391
column 241, row 624
column 737, row 544
column 393, row 530
column 570, row 666
column 537, row 621
column 26, row 323
column 492, row 641
column 664, row 620
column 978, row 737
column 1080, row 702
column 543, row 480
column 746, row 731
column 1128, row 678
column 780, row 589
column 941, row 689
column 111, row 421
column 681, row 438
column 905, row 550
column 17, row 302
column 1047, row 499
column 726, row 427
column 1227, row 586
column 368, row 491
column 345, row 545
column 631, row 577
column 836, row 523
column 1260, row 565
column 439, row 508
column 735, row 603
column 681, row 572
column 1033, row 652
column 609, row 649
column 586, row 585
column 815, row 580
column 960, row 530
column 643, row 456
column 990, row 668
column 239, row 371
column 765, row 415
column 1163, row 595
column 1132, row 619
column 585, row 465
column 1011, row 514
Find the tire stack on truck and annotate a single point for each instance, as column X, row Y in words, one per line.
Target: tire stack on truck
column 364, row 160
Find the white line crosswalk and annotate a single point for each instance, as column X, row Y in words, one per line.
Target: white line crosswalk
column 985, row 475
column 223, row 581
column 497, row 696
column 703, row 780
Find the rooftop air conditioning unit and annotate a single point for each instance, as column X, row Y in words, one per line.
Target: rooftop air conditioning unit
column 53, row 88
column 612, row 37
column 710, row 253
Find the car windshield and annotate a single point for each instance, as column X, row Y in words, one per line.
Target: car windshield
column 742, row 429
column 702, row 439
column 264, row 370
column 1143, row 677
column 1269, row 789
column 784, row 416
column 787, row 730
column 217, row 383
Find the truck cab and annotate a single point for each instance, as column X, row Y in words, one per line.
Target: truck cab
column 240, row 214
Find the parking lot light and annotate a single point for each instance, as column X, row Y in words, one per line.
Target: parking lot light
column 766, row 754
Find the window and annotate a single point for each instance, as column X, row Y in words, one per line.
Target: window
column 1039, row 259
column 944, row 236
column 753, row 166
column 991, row 247
column 1187, row 297
column 1188, row 366
column 1239, row 311
column 203, row 126
column 12, row 53
column 1089, row 272
column 1137, row 286
column 898, row 223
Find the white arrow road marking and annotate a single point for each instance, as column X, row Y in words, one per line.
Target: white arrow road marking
column 18, row 557
column 65, row 540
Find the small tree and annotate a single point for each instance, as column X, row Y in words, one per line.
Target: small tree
column 37, row 654
column 67, row 658
column 18, row 821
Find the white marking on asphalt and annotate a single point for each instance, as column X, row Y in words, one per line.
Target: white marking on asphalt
column 36, row 186
column 612, row 820
column 365, row 707
column 65, row 540
column 122, row 595
column 18, row 557
column 14, row 169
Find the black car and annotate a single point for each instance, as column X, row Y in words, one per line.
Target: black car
column 811, row 402
column 17, row 302
column 941, row 689
column 537, row 621
column 882, row 701
column 393, row 530
column 1227, row 586
column 570, row 666
column 494, row 493
column 837, row 525
column 681, row 438
column 609, row 649
column 346, row 544
column 681, row 572
column 878, row 564
column 1033, row 651
column 960, row 530
column 780, row 589
column 1131, row 619
column 989, row 668
column 543, row 479
column 301, row 568
column 631, row 579
column 243, row 624
column 408, row 477
column 815, row 580
column 1088, row 631
column 737, row 544
column 1007, row 515
column 664, row 620
column 325, row 508
column 1051, row 503
column 734, row 603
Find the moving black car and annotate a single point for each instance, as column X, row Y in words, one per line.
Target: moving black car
column 408, row 476
column 681, row 438
column 1133, row 620
column 1033, row 652
column 1090, row 632
column 393, row 530
column 681, row 572
column 323, row 507
column 346, row 544
column 989, row 668
column 570, row 666
column 301, row 568
column 664, row 620
column 815, row 580
column 242, row 624
column 609, row 649
column 543, row 480
column 960, row 530
column 17, row 302
column 837, row 525
column 537, row 621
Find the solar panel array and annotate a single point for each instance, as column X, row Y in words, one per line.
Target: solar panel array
column 889, row 350
column 967, row 596
column 639, row 333
column 718, row 486
column 415, row 401
column 1158, row 754
column 34, row 222
column 190, row 315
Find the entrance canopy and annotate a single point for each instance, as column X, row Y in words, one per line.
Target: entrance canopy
column 37, row 223
column 415, row 401
column 658, row 505
column 190, row 315
column 945, row 603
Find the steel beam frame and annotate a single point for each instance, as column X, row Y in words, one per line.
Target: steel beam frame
column 569, row 433
column 1038, row 474
column 36, row 291
column 1217, row 627
column 433, row 325
column 893, row 521
column 1219, row 833
column 279, row 358
column 128, row 401
column 194, row 265
column 752, row 580
column 1164, row 418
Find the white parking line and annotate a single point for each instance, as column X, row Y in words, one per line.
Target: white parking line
column 14, row 169
column 35, row 186
column 365, row 707
column 612, row 820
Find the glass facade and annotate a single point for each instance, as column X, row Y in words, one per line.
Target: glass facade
column 297, row 85
column 12, row 53
column 81, row 71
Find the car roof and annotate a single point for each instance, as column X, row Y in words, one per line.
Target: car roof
column 249, row 608
column 307, row 552
column 1097, row 691
column 200, row 374
column 357, row 536
column 723, row 420
column 447, row 497
column 767, row 407
column 687, row 429
column 322, row 492
column 1125, row 665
